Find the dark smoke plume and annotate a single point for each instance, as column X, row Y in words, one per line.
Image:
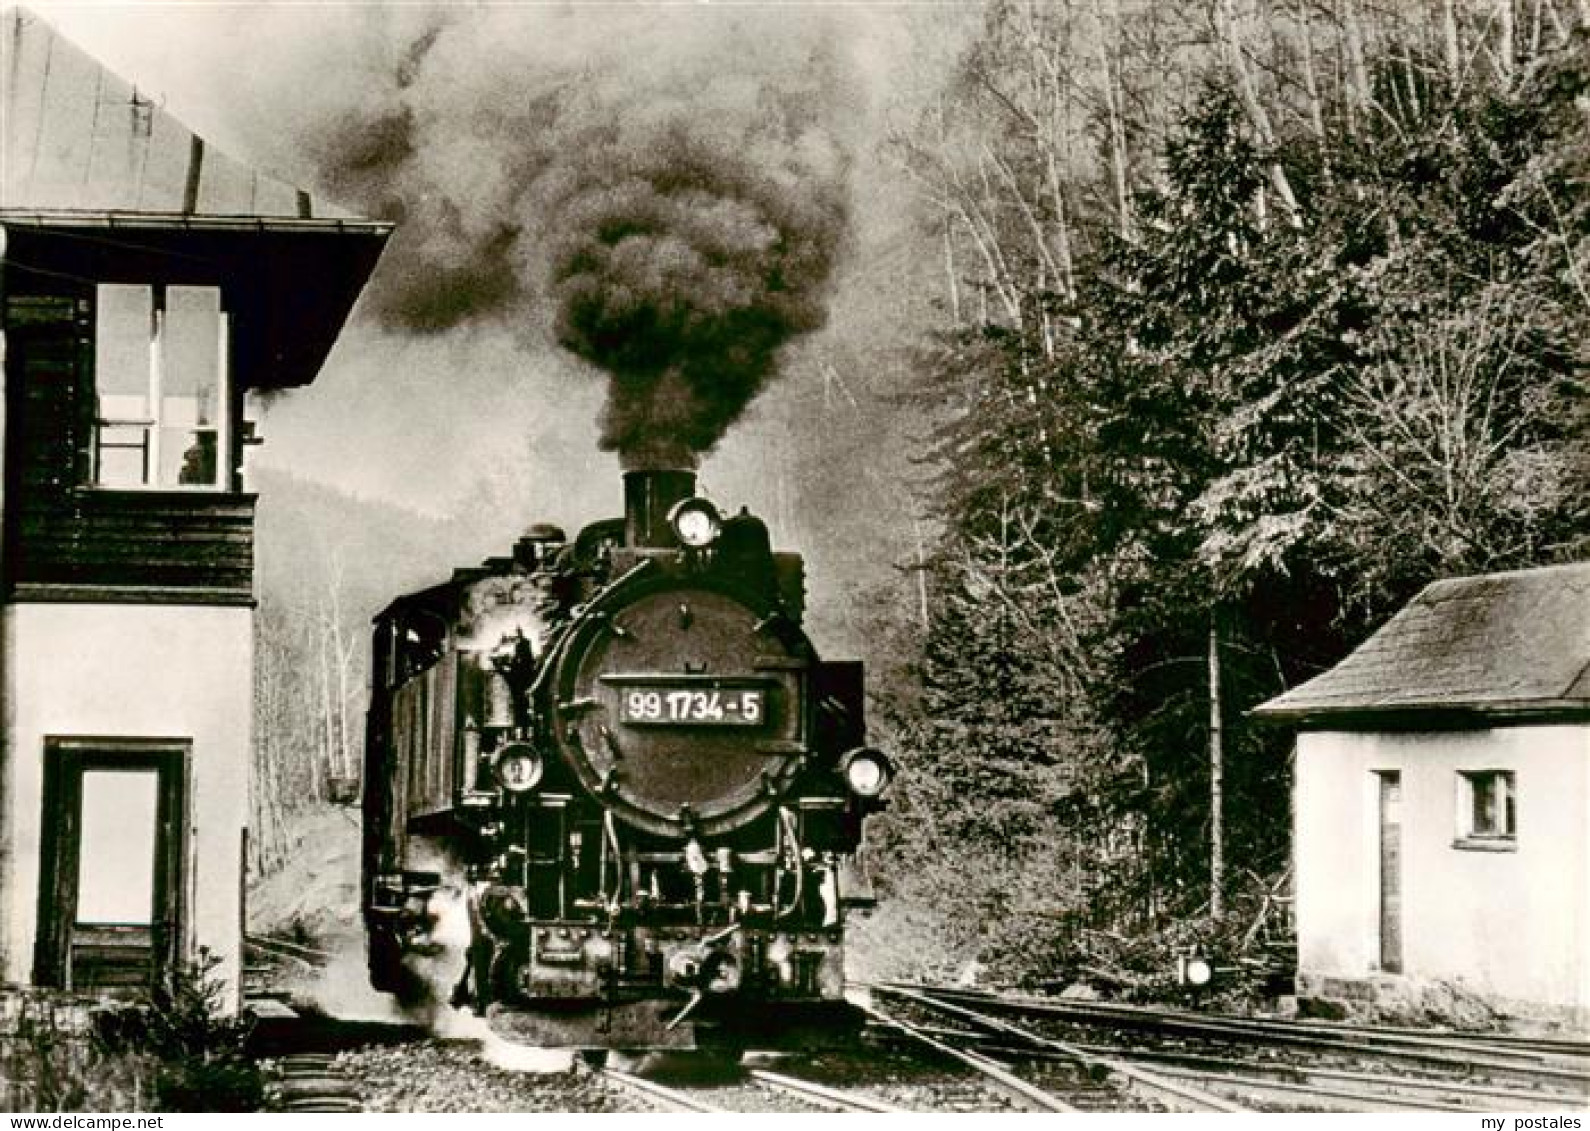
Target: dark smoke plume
column 669, row 221
column 680, row 271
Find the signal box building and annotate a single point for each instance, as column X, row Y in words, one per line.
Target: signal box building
column 1442, row 800
column 148, row 285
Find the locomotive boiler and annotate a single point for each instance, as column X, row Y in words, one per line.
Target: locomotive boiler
column 625, row 760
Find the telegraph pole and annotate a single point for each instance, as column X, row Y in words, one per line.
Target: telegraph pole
column 1217, row 838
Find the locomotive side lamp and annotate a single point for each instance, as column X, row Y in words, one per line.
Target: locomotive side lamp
column 518, row 767
column 867, row 771
column 696, row 522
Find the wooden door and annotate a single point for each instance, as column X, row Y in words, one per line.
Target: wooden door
column 110, row 898
column 1390, row 836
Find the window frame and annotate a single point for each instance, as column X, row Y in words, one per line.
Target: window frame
column 152, row 423
column 1487, row 840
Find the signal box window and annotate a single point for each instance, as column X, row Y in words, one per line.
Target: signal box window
column 160, row 383
column 1487, row 809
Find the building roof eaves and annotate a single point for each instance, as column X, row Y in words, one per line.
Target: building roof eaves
column 186, row 221
column 1435, row 716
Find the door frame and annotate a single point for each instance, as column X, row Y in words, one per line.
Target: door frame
column 66, row 759
column 1389, row 861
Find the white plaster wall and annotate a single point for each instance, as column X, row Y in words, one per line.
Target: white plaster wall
column 5, row 664
column 7, row 792
column 1512, row 925
column 157, row 671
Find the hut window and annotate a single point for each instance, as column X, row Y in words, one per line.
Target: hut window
column 1487, row 807
column 160, row 370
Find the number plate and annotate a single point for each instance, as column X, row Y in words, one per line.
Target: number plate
column 662, row 705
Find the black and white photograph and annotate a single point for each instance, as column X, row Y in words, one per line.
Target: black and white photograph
column 795, row 556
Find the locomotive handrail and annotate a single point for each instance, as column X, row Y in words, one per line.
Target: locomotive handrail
column 787, row 826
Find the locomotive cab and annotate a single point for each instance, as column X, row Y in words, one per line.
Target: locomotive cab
column 624, row 763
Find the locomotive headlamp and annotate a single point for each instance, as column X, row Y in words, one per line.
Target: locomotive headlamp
column 866, row 771
column 696, row 522
column 517, row 767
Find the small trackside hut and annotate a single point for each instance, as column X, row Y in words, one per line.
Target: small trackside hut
column 150, row 284
column 1442, row 801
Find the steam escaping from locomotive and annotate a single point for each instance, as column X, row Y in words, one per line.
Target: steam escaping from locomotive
column 670, row 214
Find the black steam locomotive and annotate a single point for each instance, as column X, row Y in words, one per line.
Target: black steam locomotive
column 625, row 761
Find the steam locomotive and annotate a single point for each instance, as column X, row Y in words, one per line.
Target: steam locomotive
column 625, row 762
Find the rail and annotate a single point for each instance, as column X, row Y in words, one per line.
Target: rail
column 823, row 1096
column 669, row 1099
column 1023, row 1094
column 1479, row 1096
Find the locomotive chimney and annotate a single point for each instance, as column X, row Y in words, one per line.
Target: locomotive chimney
column 648, row 497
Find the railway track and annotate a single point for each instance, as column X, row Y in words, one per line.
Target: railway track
column 407, row 1071
column 1330, row 1068
column 278, row 948
column 970, row 1051
column 1143, row 1083
column 322, row 1064
column 314, row 1082
column 1477, row 1096
column 1572, row 1057
column 266, row 956
column 1025, row 1096
column 757, row 1089
column 301, row 1052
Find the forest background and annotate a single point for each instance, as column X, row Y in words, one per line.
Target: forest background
column 1220, row 330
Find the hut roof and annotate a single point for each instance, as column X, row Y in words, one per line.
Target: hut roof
column 1509, row 644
